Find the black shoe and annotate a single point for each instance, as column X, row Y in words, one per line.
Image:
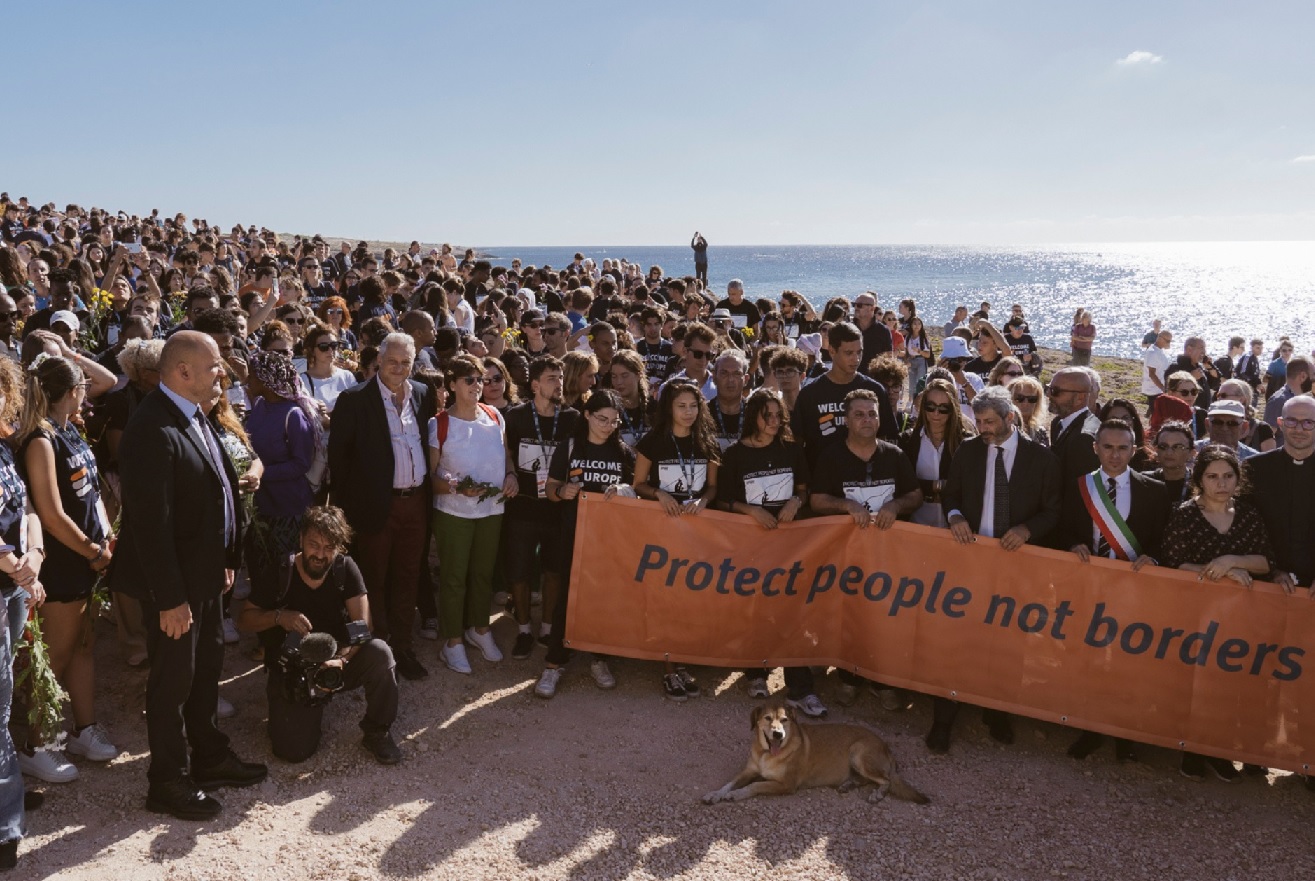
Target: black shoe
column 382, row 746
column 1001, row 729
column 938, row 739
column 182, row 799
column 33, row 800
column 8, row 855
column 544, row 639
column 1192, row 766
column 523, row 647
column 689, row 683
column 1124, row 750
column 408, row 665
column 1223, row 769
column 1086, row 744
column 232, row 771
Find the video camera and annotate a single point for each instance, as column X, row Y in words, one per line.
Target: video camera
column 306, row 679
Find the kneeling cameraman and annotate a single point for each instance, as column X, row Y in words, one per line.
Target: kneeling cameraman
column 313, row 617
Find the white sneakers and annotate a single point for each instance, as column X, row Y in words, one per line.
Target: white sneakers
column 455, row 658
column 602, row 674
column 548, row 680
column 810, row 705
column 484, row 642
column 92, row 744
column 48, row 765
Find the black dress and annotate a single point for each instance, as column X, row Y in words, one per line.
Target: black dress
column 1190, row 538
column 66, row 574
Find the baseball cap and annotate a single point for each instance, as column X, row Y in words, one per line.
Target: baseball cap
column 67, row 318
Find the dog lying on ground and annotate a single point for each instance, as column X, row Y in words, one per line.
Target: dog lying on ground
column 787, row 756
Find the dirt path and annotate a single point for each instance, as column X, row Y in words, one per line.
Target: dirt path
column 499, row 784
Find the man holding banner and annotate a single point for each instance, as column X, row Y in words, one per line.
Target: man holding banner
column 1003, row 486
column 1121, row 515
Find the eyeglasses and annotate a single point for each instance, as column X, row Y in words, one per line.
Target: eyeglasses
column 1303, row 424
column 603, row 420
column 786, row 372
column 291, row 320
column 473, row 380
column 1175, row 448
column 328, row 346
column 494, row 379
column 1225, row 423
column 943, row 409
column 8, row 316
column 1026, row 399
column 1186, row 391
column 333, row 311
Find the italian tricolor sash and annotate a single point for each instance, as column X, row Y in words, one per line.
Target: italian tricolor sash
column 1107, row 519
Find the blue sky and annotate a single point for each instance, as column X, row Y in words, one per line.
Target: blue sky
column 614, row 123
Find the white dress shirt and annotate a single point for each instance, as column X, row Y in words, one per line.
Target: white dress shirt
column 1010, row 451
column 409, row 463
column 1122, row 502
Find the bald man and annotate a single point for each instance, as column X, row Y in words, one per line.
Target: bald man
column 177, row 550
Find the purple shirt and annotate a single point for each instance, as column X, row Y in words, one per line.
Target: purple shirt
column 284, row 439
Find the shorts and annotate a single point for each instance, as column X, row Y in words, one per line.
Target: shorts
column 520, row 540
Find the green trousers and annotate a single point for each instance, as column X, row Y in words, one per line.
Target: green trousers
column 467, row 556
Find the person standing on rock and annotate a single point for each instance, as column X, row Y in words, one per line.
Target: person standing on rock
column 700, row 246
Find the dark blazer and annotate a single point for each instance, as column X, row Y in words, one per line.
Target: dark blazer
column 171, row 540
column 361, row 452
column 910, row 444
column 1277, row 490
column 1147, row 515
column 1076, row 450
column 1034, row 493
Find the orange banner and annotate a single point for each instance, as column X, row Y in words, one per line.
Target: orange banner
column 1157, row 656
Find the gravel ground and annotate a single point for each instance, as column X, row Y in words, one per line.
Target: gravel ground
column 497, row 783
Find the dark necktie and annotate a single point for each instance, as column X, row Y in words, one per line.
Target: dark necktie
column 1102, row 546
column 216, row 459
column 1056, row 426
column 1000, row 522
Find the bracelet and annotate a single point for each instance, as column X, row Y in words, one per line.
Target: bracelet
column 100, row 552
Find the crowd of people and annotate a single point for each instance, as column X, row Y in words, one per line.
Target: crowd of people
column 229, row 431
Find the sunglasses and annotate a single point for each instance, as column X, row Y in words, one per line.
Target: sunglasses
column 1173, row 448
column 286, row 353
column 473, row 380
column 328, row 347
column 552, row 331
column 1014, row 373
column 1225, row 423
column 1026, row 399
column 1054, row 392
column 291, row 320
column 1187, row 391
column 334, row 311
column 943, row 409
column 700, row 354
column 494, row 380
column 8, row 316
column 537, row 325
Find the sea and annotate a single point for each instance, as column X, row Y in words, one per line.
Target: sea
column 1214, row 290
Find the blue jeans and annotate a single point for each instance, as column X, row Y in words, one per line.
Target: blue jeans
column 13, row 615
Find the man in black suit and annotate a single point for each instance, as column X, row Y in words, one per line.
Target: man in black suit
column 1283, row 490
column 1118, row 514
column 1003, row 486
column 177, row 550
column 1073, row 430
column 377, row 456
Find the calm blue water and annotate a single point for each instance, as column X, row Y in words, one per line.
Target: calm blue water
column 1210, row 289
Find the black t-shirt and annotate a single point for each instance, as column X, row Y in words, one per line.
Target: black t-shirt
column 798, row 325
column 634, row 424
column 819, row 413
column 744, row 314
column 765, row 476
column 594, row 466
column 887, row 475
column 728, row 425
column 678, row 469
column 282, row 587
column 980, row 366
column 1020, row 346
column 876, row 341
column 532, row 440
column 659, row 360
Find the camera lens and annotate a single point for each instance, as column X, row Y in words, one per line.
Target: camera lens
column 328, row 678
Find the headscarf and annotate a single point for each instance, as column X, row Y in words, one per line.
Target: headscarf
column 277, row 373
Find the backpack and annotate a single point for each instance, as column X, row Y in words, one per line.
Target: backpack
column 443, row 419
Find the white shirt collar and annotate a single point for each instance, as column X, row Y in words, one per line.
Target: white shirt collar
column 1122, row 481
column 1066, row 421
column 189, row 408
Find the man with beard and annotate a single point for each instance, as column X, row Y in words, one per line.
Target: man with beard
column 320, row 590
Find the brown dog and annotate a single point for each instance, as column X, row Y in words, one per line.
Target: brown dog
column 787, row 756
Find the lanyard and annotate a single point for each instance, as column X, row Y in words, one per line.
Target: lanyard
column 538, row 430
column 721, row 422
column 688, row 475
column 630, row 428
